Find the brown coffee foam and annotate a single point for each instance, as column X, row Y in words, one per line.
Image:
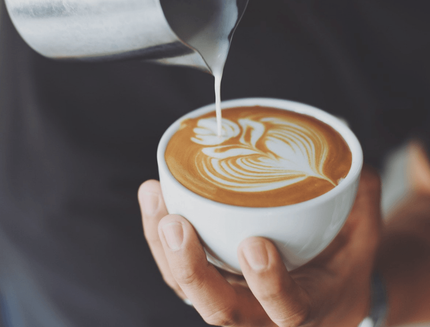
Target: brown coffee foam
column 181, row 153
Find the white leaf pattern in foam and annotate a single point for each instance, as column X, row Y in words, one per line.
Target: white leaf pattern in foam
column 302, row 141
column 257, row 130
column 289, row 157
column 227, row 151
column 207, row 133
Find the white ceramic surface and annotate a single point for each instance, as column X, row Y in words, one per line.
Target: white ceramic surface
column 300, row 231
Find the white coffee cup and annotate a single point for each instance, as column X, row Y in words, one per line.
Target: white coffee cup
column 300, row 231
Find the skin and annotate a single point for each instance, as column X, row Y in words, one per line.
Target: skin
column 404, row 254
column 331, row 290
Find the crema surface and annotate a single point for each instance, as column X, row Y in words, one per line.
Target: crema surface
column 265, row 157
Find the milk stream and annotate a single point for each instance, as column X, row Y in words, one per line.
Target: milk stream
column 217, row 82
column 213, row 41
column 216, row 63
column 215, row 53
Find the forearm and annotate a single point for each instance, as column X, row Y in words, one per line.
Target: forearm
column 404, row 260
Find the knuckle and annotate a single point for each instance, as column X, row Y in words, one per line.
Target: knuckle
column 152, row 236
column 292, row 311
column 223, row 317
column 300, row 318
column 273, row 294
column 187, row 276
column 171, row 282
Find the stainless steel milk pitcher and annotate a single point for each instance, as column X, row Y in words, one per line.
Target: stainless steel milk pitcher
column 97, row 30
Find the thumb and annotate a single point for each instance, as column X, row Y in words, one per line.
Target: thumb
column 285, row 302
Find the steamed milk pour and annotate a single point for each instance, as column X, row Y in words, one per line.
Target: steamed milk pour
column 213, row 39
column 193, row 33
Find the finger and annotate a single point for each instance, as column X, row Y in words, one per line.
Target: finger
column 418, row 168
column 284, row 301
column 366, row 207
column 213, row 297
column 369, row 193
column 363, row 223
column 153, row 210
column 365, row 217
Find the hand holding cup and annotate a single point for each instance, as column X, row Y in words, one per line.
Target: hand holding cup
column 330, row 290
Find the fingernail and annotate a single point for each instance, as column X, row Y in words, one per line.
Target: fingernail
column 173, row 234
column 256, row 255
column 150, row 203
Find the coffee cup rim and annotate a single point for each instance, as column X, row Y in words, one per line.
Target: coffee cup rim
column 340, row 126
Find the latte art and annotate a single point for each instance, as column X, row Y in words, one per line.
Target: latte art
column 261, row 153
column 271, row 153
